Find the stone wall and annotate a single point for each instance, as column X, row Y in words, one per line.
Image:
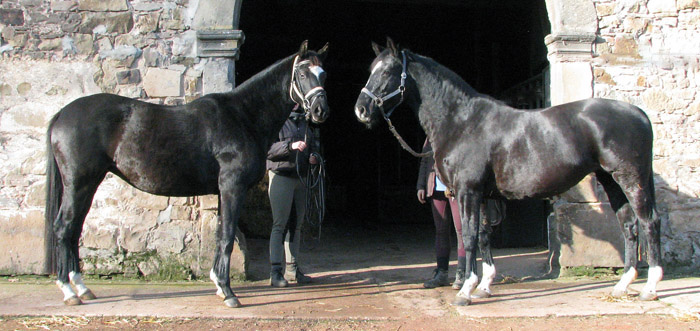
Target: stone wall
column 648, row 54
column 56, row 51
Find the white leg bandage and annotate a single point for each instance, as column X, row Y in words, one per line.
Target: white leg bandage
column 489, row 273
column 625, row 281
column 77, row 280
column 468, row 286
column 654, row 277
column 215, row 279
column 66, row 289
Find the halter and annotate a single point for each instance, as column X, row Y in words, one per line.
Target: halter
column 379, row 101
column 295, row 89
column 380, row 104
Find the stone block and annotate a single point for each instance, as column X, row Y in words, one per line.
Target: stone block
column 687, row 4
column 70, row 25
column 147, row 23
column 36, row 195
column 11, row 16
column 132, row 76
column 120, row 23
column 51, row 44
column 589, row 235
column 63, row 5
column 208, row 202
column 662, row 7
column 170, row 237
column 162, row 83
column 22, row 242
column 103, row 5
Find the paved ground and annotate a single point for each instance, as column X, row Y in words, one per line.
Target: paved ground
column 376, row 279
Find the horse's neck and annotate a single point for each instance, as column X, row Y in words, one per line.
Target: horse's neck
column 438, row 97
column 264, row 98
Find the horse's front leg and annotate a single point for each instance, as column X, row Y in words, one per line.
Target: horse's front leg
column 470, row 206
column 488, row 269
column 231, row 197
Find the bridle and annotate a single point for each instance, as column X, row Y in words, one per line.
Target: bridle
column 379, row 101
column 294, row 89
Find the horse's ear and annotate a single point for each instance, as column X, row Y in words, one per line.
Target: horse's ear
column 323, row 52
column 392, row 46
column 304, row 48
column 377, row 49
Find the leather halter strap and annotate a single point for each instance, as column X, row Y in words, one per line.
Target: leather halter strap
column 294, row 89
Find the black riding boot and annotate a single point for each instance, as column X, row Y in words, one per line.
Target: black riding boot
column 294, row 274
column 276, row 278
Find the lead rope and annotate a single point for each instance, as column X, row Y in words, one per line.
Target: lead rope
column 315, row 186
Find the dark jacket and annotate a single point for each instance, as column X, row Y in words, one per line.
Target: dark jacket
column 426, row 174
column 281, row 158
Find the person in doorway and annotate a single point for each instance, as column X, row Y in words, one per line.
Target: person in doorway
column 287, row 158
column 430, row 187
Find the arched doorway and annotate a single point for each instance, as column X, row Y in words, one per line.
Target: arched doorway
column 493, row 46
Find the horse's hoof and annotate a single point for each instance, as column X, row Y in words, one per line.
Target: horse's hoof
column 73, row 301
column 232, row 302
column 461, row 301
column 648, row 296
column 480, row 294
column 88, row 295
column 618, row 294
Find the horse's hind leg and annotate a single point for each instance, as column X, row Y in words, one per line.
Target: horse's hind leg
column 68, row 227
column 628, row 213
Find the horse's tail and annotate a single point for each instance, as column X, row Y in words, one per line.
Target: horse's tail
column 54, row 193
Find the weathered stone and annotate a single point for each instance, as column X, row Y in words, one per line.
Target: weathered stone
column 132, row 76
column 24, row 88
column 103, row 5
column 162, row 82
column 170, row 237
column 602, row 77
column 626, row 45
column 183, row 213
column 11, row 16
column 63, row 5
column 208, row 202
column 112, row 22
column 71, row 23
column 239, row 260
column 604, row 9
column 153, row 58
column 147, row 23
column 123, row 56
column 172, row 19
column 147, row 6
column 662, row 6
column 31, row 3
column 21, row 239
column 103, row 236
column 687, row 4
column 5, row 90
column 586, row 191
column 14, row 36
column 83, row 43
column 51, row 44
column 589, row 235
column 218, row 76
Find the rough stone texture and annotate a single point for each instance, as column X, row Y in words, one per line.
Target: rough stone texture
column 598, row 243
column 662, row 77
column 162, row 82
column 56, row 51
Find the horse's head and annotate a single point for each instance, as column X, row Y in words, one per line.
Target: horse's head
column 385, row 87
column 307, row 83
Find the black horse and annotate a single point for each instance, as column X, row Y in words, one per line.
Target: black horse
column 484, row 148
column 216, row 144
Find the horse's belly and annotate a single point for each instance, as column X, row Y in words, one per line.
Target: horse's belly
column 526, row 183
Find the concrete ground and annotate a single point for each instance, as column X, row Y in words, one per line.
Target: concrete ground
column 359, row 275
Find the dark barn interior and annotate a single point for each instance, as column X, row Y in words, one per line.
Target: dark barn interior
column 493, row 45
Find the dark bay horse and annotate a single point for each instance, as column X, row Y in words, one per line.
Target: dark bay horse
column 216, row 144
column 484, row 148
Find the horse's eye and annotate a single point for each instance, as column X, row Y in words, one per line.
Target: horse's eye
column 302, row 76
column 385, row 73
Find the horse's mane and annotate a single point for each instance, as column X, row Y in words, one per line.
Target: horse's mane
column 449, row 85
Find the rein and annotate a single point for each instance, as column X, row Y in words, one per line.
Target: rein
column 294, row 89
column 379, row 101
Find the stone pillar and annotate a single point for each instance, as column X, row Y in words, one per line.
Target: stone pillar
column 218, row 42
column 583, row 230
